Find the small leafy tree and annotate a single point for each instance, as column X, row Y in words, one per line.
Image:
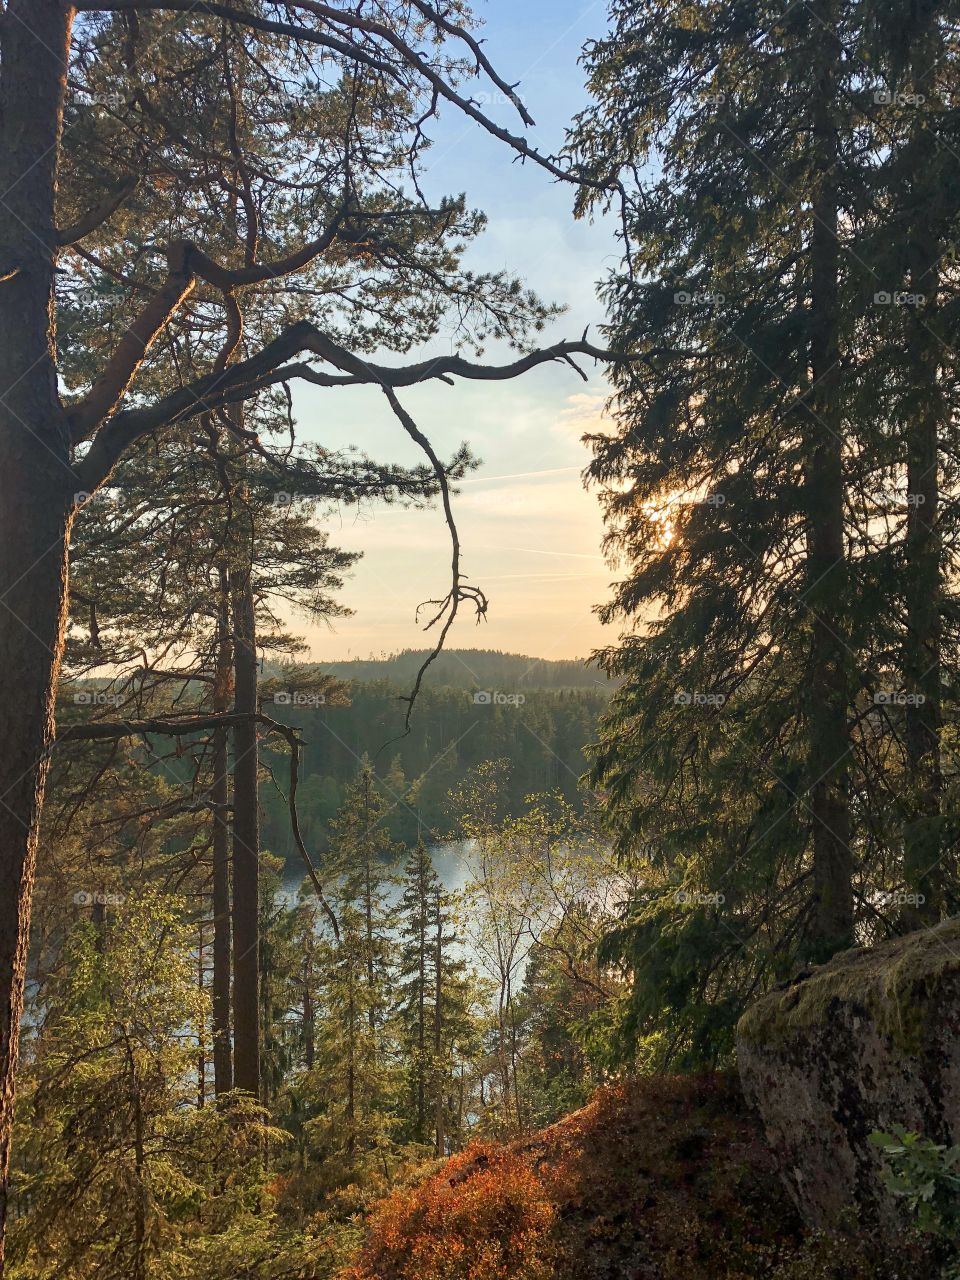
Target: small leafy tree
column 926, row 1176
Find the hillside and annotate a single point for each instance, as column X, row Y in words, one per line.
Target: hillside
column 474, row 669
column 544, row 733
column 664, row 1178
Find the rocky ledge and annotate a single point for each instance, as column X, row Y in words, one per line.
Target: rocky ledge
column 868, row 1041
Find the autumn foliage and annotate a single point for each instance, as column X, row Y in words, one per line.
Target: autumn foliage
column 663, row 1178
column 485, row 1216
column 670, row 1171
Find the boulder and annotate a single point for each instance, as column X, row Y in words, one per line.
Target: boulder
column 868, row 1041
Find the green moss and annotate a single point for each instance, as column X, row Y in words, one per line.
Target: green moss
column 892, row 982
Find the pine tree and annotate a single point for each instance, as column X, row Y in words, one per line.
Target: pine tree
column 157, row 174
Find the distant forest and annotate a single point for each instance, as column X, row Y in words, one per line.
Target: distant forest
column 474, row 669
column 544, row 738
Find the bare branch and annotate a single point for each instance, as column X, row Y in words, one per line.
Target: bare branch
column 294, row 743
column 460, row 592
column 361, row 370
column 114, row 730
column 259, row 272
column 244, row 378
column 460, row 33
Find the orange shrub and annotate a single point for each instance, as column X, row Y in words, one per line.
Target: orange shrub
column 485, row 1216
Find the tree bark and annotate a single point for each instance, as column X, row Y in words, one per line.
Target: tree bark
column 141, row 1203
column 309, row 1016
column 829, row 743
column 351, row 1107
column 201, row 1030
column 439, row 1081
column 423, row 907
column 368, row 910
column 220, row 802
column 246, row 845
column 39, row 487
column 923, row 871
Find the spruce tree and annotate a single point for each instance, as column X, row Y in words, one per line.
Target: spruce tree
column 356, row 1076
column 769, row 610
column 420, row 885
column 434, row 1009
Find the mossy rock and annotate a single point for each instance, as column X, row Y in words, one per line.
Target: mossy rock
column 891, row 982
column 868, row 1041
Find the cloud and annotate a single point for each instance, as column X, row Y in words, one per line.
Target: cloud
column 584, row 414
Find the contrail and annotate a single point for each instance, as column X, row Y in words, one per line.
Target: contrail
column 518, row 475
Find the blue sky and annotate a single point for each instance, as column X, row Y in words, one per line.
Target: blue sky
column 531, row 536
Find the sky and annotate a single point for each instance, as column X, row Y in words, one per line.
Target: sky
column 530, row 533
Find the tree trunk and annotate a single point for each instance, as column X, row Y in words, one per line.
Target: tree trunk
column 829, row 743
column 246, row 845
column 423, row 908
column 368, row 910
column 141, row 1202
column 309, row 1017
column 201, row 1030
column 923, row 872
column 220, row 802
column 39, row 488
column 439, row 1082
column 267, row 1057
column 351, row 1060
column 923, row 842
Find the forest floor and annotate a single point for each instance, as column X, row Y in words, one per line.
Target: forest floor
column 664, row 1178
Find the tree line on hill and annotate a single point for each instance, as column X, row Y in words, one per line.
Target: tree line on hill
column 474, row 669
column 545, row 739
